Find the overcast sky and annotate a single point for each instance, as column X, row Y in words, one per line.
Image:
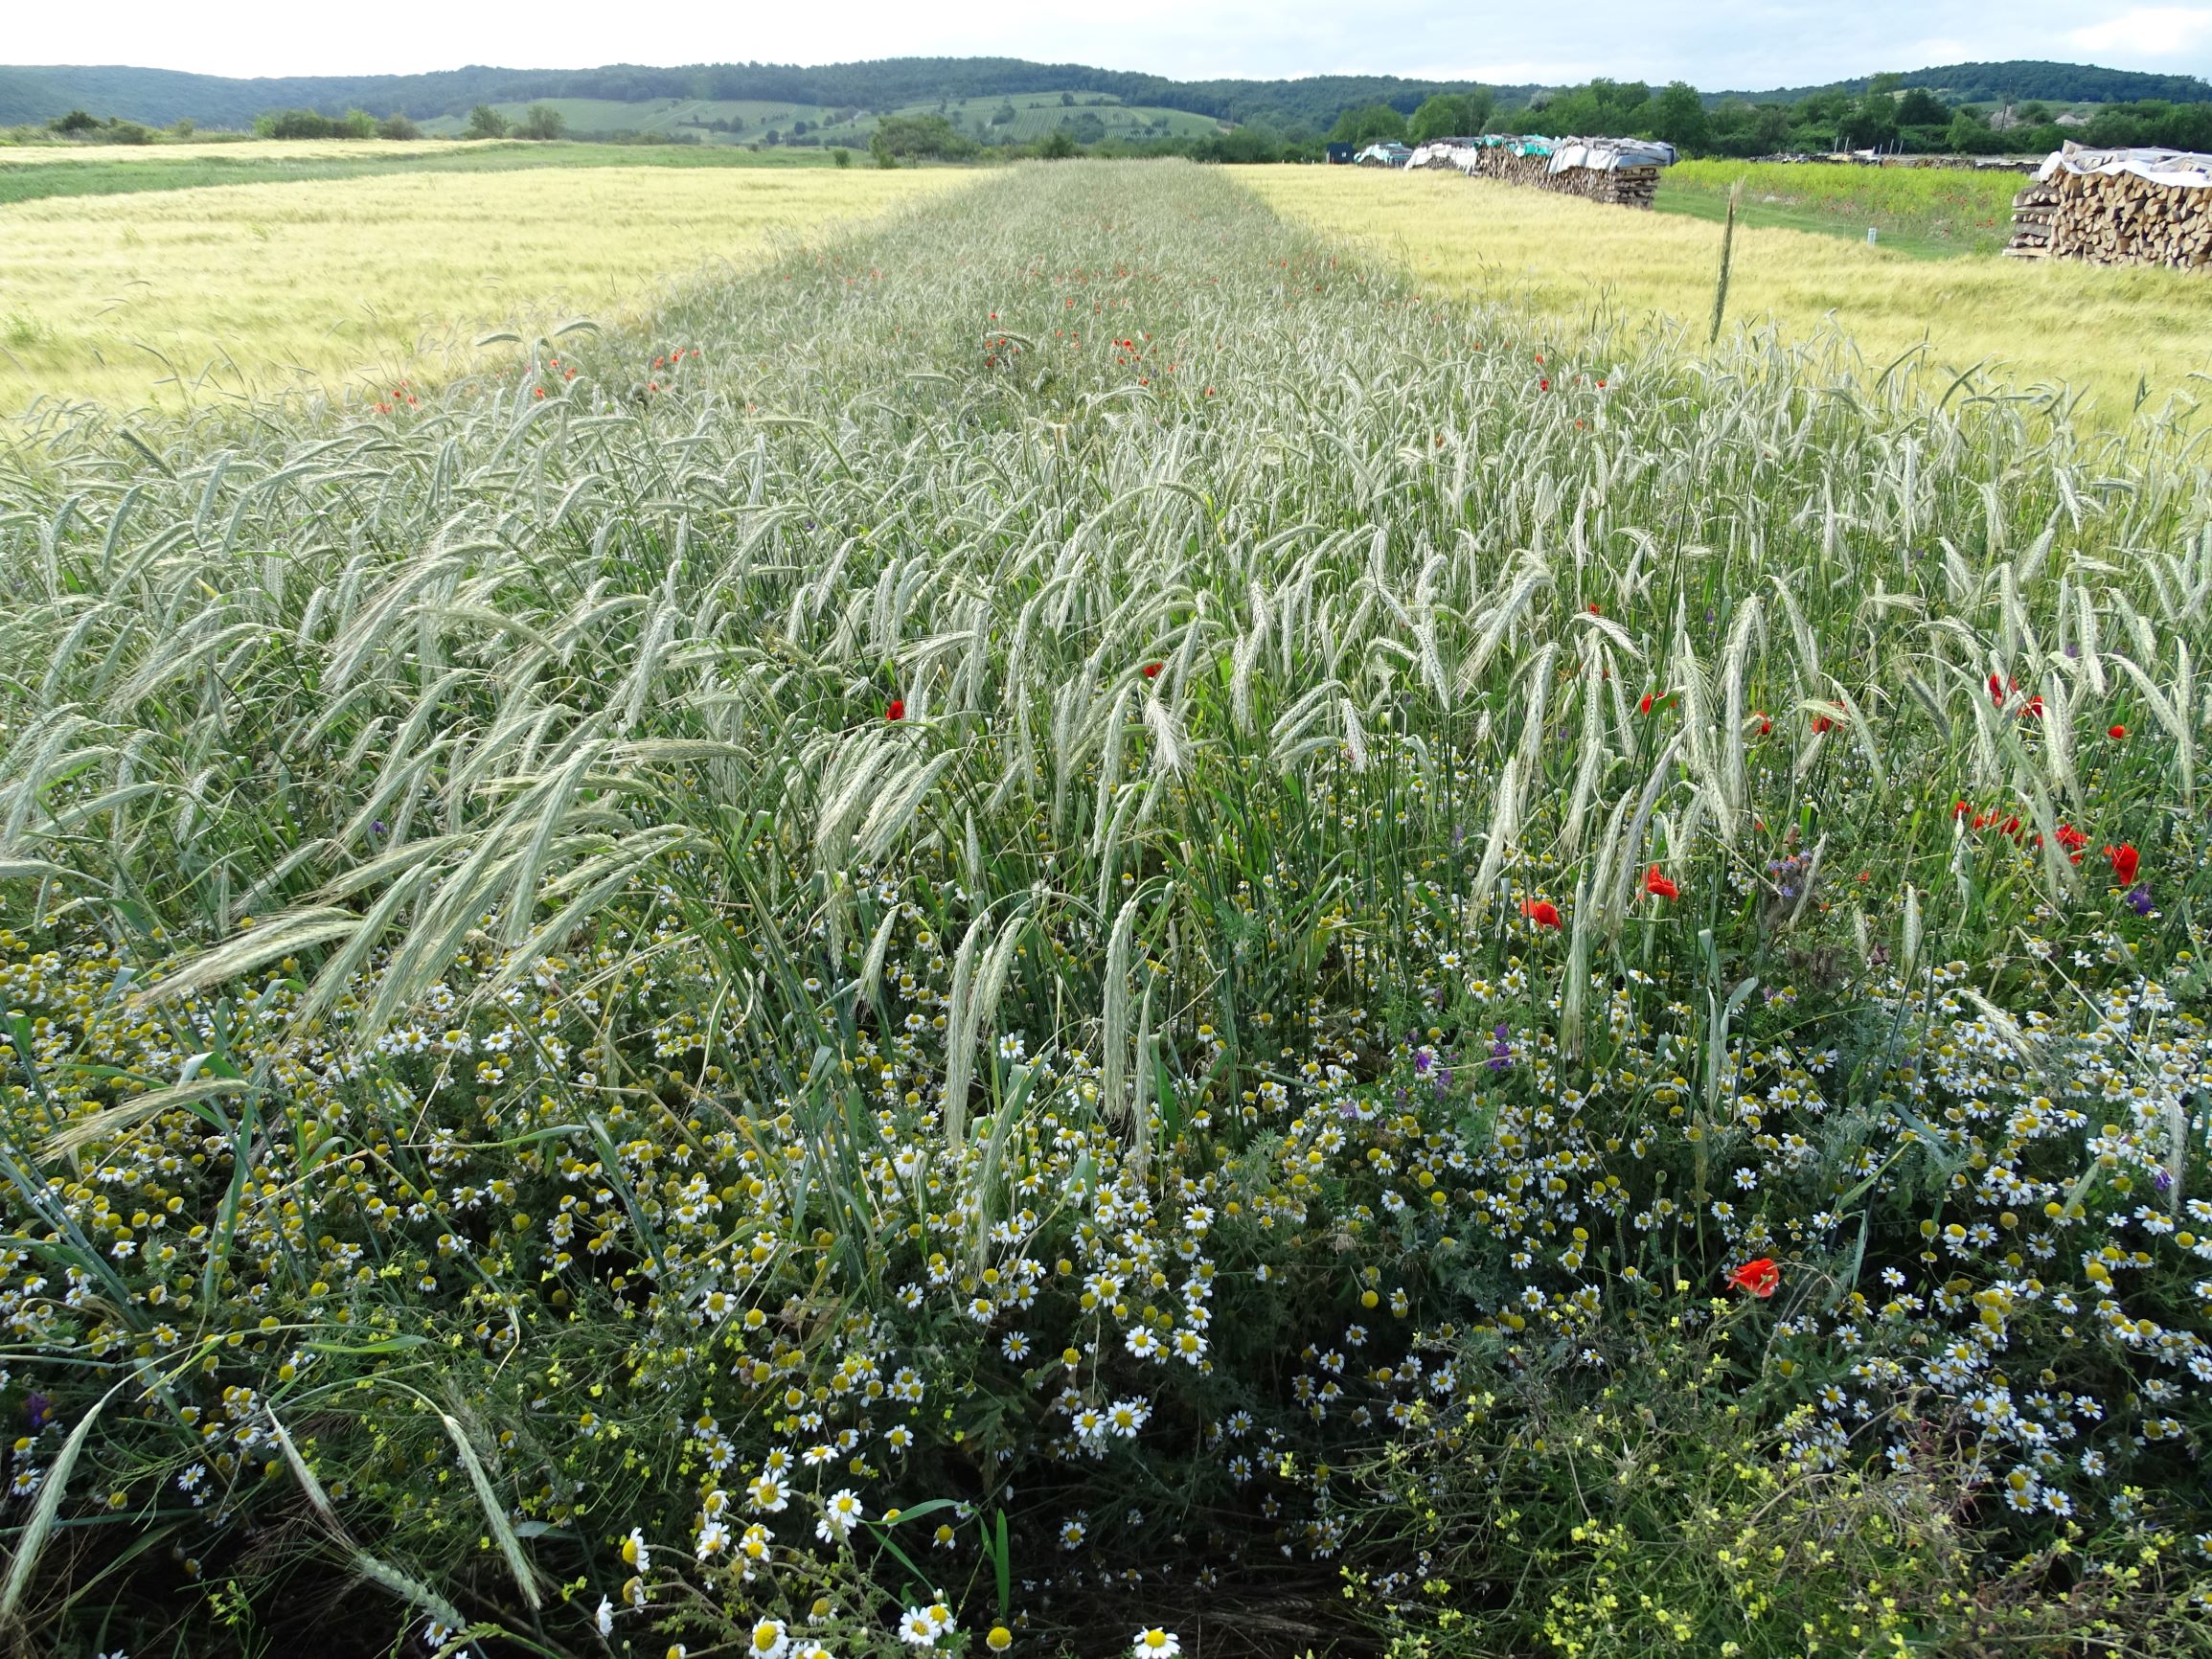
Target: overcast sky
column 1714, row 43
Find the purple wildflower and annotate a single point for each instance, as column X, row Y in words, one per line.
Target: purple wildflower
column 1500, row 1051
column 2139, row 898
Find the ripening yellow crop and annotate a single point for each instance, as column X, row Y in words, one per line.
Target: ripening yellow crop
column 2105, row 333
column 208, row 293
column 238, row 149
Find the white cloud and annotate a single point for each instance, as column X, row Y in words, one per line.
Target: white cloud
column 1526, row 72
column 2147, row 32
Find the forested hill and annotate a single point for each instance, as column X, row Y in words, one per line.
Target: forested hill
column 160, row 96
column 2016, row 80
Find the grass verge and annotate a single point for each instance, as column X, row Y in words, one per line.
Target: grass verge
column 1928, row 212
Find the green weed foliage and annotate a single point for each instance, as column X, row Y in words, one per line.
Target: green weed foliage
column 1069, row 917
column 1938, row 212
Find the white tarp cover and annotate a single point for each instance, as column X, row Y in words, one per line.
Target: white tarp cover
column 1601, row 154
column 2184, row 169
column 1608, row 154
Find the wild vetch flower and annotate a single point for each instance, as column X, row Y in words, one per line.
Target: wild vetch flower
column 38, row 1411
column 2139, row 898
column 1500, row 1049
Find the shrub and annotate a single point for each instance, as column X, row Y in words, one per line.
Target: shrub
column 541, row 122
column 922, row 137
column 297, row 124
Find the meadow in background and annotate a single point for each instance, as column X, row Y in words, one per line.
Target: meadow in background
column 1074, row 916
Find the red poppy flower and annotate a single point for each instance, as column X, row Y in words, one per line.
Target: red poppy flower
column 1644, row 707
column 1540, row 911
column 1544, row 385
column 894, row 709
column 2072, row 839
column 1152, row 671
column 2125, row 860
column 1658, row 884
column 1760, row 1277
column 1958, row 810
column 1594, row 611
column 1765, row 725
column 2115, row 733
column 2035, row 707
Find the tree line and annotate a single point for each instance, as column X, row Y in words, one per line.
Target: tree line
column 1885, row 116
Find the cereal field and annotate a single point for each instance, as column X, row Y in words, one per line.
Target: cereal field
column 1071, row 926
column 203, row 297
column 2115, row 343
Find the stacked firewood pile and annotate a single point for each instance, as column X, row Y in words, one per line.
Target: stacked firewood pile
column 1623, row 186
column 2117, row 207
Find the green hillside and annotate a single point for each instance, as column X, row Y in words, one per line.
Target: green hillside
column 159, row 97
column 599, row 117
column 1002, row 101
column 1019, row 119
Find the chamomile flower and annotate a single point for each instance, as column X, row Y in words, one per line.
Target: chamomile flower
column 841, row 1513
